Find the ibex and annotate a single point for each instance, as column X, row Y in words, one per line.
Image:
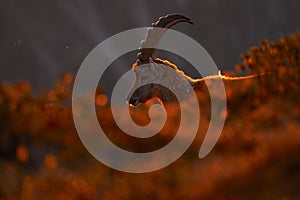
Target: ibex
column 155, row 68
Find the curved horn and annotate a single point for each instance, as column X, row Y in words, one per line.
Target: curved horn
column 153, row 35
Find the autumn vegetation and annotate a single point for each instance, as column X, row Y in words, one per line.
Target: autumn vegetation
column 257, row 156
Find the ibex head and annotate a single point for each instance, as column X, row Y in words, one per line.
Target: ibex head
column 148, row 69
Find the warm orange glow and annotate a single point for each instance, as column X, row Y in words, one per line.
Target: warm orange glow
column 250, row 60
column 67, row 78
column 224, row 114
column 273, row 51
column 23, row 87
column 79, row 186
column 101, row 100
column 22, row 153
column 51, row 96
column 50, row 162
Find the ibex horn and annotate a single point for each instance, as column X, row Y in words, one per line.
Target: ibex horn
column 153, row 35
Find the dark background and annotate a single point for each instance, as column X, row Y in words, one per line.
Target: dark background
column 40, row 40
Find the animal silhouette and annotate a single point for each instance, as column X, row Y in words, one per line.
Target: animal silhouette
column 148, row 69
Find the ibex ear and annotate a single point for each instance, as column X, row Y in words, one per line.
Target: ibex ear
column 157, row 70
column 152, row 64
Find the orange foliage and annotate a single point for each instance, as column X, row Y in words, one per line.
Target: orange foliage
column 101, row 100
column 257, row 156
column 22, row 153
column 50, row 162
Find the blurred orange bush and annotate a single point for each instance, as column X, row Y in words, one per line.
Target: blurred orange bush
column 257, row 156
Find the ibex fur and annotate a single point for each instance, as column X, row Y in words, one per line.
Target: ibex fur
column 148, row 69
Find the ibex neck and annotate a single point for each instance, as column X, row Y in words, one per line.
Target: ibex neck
column 176, row 85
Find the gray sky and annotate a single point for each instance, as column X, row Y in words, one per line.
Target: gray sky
column 39, row 40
